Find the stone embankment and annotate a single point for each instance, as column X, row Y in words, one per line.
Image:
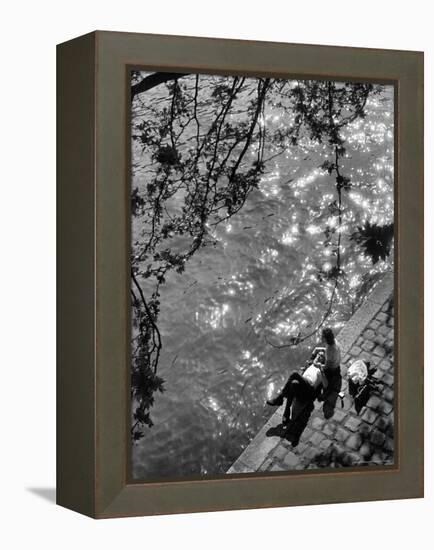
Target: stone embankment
column 334, row 434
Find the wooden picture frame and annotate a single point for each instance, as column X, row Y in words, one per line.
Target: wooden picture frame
column 93, row 278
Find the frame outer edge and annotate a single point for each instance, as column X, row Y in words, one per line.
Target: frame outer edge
column 411, row 276
column 75, row 409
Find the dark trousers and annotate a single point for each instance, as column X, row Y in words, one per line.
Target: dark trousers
column 297, row 386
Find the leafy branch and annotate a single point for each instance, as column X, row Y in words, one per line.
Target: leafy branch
column 211, row 173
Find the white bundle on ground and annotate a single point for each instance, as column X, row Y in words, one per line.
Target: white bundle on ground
column 358, row 372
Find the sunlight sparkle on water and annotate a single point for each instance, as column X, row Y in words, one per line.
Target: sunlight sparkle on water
column 271, row 390
column 249, row 361
column 285, row 328
column 239, row 283
column 214, row 317
column 309, row 178
column 287, row 238
column 355, row 281
column 213, row 404
column 356, row 197
column 313, row 229
column 332, row 221
column 290, row 236
column 267, row 255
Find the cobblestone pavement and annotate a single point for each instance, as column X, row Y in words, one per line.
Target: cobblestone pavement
column 333, row 433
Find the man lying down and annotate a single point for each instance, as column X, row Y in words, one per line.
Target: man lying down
column 310, row 385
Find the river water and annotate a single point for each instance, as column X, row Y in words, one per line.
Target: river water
column 260, row 285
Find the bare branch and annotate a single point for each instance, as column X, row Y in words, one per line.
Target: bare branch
column 153, row 80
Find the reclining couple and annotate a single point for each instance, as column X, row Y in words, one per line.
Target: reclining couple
column 315, row 380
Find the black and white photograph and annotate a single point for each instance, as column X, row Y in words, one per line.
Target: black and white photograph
column 262, row 275
column 217, row 255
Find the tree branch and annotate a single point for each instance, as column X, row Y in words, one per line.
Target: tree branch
column 153, row 80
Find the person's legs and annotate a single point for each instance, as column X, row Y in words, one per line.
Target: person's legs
column 285, row 392
column 291, row 390
column 304, row 390
column 288, row 388
column 300, row 389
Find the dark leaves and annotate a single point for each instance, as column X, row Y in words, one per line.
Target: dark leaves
column 333, row 209
column 221, row 91
column 167, row 155
column 331, row 274
column 375, row 240
column 342, row 182
column 137, row 202
column 144, row 383
column 328, row 166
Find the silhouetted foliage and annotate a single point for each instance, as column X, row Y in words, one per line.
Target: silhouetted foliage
column 214, row 176
column 376, row 240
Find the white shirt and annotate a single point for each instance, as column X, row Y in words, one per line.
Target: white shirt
column 313, row 375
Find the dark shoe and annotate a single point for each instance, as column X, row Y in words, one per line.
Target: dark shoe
column 276, row 402
column 295, row 441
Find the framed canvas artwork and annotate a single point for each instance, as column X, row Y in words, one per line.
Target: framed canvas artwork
column 240, row 274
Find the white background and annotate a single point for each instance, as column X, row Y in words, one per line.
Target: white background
column 29, row 33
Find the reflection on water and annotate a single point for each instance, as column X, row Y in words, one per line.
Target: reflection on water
column 260, row 282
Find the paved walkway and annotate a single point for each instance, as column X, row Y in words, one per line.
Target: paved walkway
column 334, row 434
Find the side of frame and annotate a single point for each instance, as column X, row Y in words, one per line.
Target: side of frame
column 76, row 275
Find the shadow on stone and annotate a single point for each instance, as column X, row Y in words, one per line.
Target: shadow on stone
column 293, row 431
column 331, row 395
column 333, row 457
column 362, row 395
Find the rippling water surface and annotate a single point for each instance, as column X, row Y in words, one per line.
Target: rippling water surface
column 260, row 284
